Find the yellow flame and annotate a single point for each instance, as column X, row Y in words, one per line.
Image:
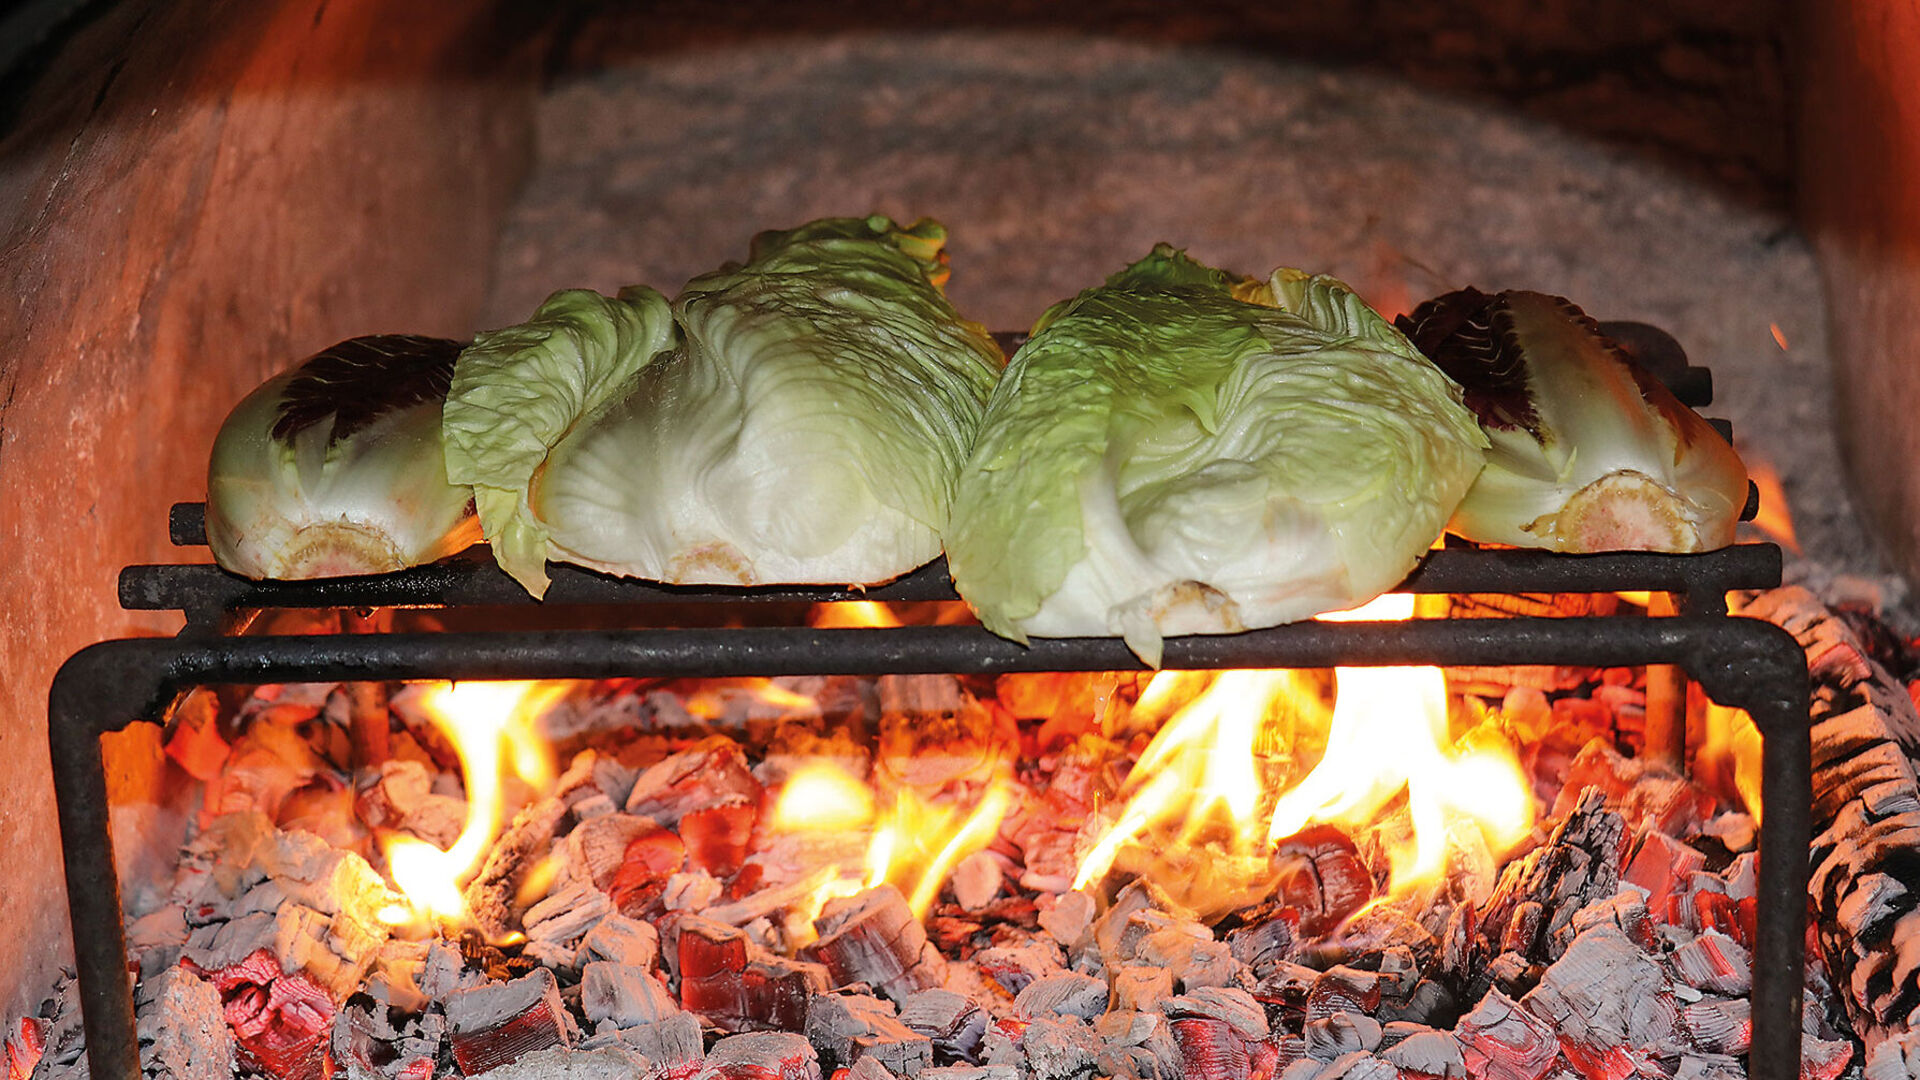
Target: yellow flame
column 919, row 841
column 854, row 615
column 491, row 726
column 822, row 797
column 1775, row 519
column 712, row 698
column 1199, row 785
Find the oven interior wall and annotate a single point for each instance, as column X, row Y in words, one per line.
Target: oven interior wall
column 196, row 194
column 202, row 193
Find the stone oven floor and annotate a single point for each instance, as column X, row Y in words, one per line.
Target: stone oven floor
column 1055, row 159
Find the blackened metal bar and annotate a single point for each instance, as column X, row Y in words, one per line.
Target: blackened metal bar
column 472, row 579
column 1742, row 663
column 187, row 524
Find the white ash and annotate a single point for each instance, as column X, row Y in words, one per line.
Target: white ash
column 1715, row 963
column 183, row 1034
column 622, row 940
column 627, row 996
column 1059, row 1047
column 1435, row 1053
column 1137, row 1044
column 1235, row 1008
column 1357, row 1065
column 786, row 1055
column 976, row 881
column 557, row 1063
column 693, row 891
column 1334, row 1036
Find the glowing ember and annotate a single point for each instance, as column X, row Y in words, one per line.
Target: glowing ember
column 1774, row 521
column 491, row 726
column 1197, row 793
column 824, row 798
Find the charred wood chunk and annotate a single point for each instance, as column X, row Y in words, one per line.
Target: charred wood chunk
column 953, row 1023
column 778, row 990
column 1195, row 962
column 1430, row 1003
column 850, row 1028
column 1662, row 866
column 1057, row 1048
column 1320, row 874
column 280, row 1021
column 621, row 940
column 1502, row 1041
column 492, row 1025
column 490, row 895
column 613, row 1062
column 370, row 1040
column 1069, row 919
column 873, row 938
column 761, row 1055
column 711, row 964
column 971, row 1072
column 1343, row 989
column 1579, row 864
column 1211, row 1048
column 674, row 1046
column 709, row 773
column 1138, row 987
column 1267, row 943
column 597, row 848
column 1718, row 1025
column 1715, row 963
column 1514, row 974
column 1137, row 1044
column 567, row 914
column 1340, row 1034
column 1068, row 993
column 182, row 1030
column 977, row 880
column 627, row 996
column 1607, row 992
column 1428, row 1053
column 717, row 836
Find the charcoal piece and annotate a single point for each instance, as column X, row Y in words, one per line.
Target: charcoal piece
column 1728, row 1067
column 873, row 938
column 717, row 837
column 1514, row 974
column 566, row 914
column 1112, row 930
column 492, row 1025
column 1523, row 928
column 1458, row 944
column 954, row 1023
column 692, row 891
column 1319, row 873
column 1625, row 910
column 769, row 901
column 1137, row 1044
column 1499, row 1038
column 1431, row 1003
column 1234, row 1007
column 1333, row 1036
column 182, row 1030
column 490, row 895
column 1718, row 1025
column 1606, row 991
column 674, row 1045
column 1715, row 963
column 1057, row 1048
column 709, row 773
column 848, row 1027
column 1070, row 917
column 1357, row 1065
column 761, row 1055
column 1138, row 987
column 1430, row 1053
column 1194, row 962
column 622, row 940
column 1211, row 1048
column 1014, row 967
column 651, row 857
column 706, row 958
column 971, row 1072
column 1579, row 864
column 1400, row 1031
column 371, row 1041
column 556, row 1063
column 1399, row 971
column 976, row 881
column 628, row 996
column 1068, row 993
column 1267, row 943
column 1343, row 989
column 281, row 1022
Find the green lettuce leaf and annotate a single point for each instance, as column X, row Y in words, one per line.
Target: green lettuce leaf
column 1166, row 457
column 519, row 391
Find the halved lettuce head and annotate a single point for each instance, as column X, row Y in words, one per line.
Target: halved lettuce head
column 1182, row 451
column 1590, row 452
column 799, row 418
column 335, row 468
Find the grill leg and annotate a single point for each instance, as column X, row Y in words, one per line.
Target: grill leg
column 1780, row 953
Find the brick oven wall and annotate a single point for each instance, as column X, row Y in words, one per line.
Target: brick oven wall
column 196, row 195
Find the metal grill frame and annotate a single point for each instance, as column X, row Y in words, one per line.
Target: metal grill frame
column 1739, row 662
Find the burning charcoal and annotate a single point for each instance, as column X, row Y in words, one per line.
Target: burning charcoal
column 770, row 901
column 403, row 798
column 444, row 971
column 1523, row 928
column 976, row 881
column 1194, row 962
column 566, row 914
column 1400, row 1031
column 691, row 892
column 1343, row 990
column 395, row 977
column 954, row 1023
column 717, row 836
column 1431, row 1003
column 368, row 1045
column 1137, row 1044
column 628, row 996
column 1342, row 1033
column 1428, row 1053
column 852, row 1027
column 183, row 1032
column 1727, row 1067
column 333, row 882
column 1513, row 973
column 712, row 772
column 1718, row 1025
column 1399, row 971
column 1267, row 943
column 1499, row 1039
column 1320, row 874
column 1357, row 1065
column 1897, row 1058
column 1213, row 1049
column 1607, row 992
column 280, row 1021
column 1066, row 994
column 1457, row 944
column 674, row 1045
column 709, row 959
column 625, row 941
column 1661, row 865
column 490, row 895
column 1235, row 1008
column 761, row 1055
column 869, row 1068
column 1141, row 987
column 1110, row 929
column 735, row 984
column 1625, row 910
column 1715, row 963
column 492, row 1025
column 1303, row 1069
column 600, row 1063
column 873, row 938
column 1013, row 967
column 1824, row 1059
column 971, row 1072
column 597, row 849
column 1579, row 863
column 1646, row 793
column 1059, row 1047
column 1069, row 918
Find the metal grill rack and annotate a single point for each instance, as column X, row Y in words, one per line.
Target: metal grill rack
column 1739, row 662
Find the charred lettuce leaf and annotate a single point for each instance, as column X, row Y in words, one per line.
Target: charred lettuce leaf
column 1589, row 451
column 335, row 467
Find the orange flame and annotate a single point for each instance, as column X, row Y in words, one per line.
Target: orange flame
column 853, row 615
column 1201, row 778
column 491, row 726
column 1775, row 519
